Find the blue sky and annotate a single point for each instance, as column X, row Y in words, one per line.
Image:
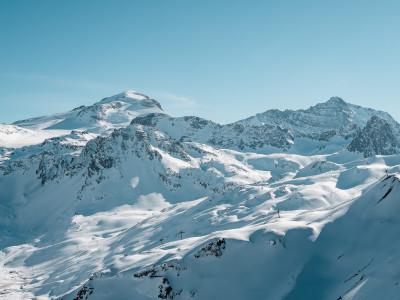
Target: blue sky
column 222, row 60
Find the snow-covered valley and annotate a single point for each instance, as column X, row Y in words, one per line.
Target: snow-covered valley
column 119, row 200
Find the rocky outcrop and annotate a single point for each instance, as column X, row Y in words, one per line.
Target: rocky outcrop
column 378, row 137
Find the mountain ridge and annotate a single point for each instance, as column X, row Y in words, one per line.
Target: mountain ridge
column 333, row 114
column 333, row 120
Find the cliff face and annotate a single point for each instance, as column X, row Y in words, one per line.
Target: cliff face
column 378, row 137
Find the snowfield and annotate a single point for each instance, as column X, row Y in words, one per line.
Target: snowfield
column 118, row 200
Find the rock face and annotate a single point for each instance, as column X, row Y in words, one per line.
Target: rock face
column 378, row 137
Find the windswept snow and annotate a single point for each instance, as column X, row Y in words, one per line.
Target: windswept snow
column 356, row 256
column 12, row 136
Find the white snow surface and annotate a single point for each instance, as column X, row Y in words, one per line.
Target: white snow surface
column 12, row 136
column 113, row 210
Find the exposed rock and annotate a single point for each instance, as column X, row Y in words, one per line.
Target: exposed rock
column 376, row 138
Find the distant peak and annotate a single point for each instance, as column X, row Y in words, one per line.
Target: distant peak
column 135, row 95
column 336, row 100
column 132, row 98
column 127, row 96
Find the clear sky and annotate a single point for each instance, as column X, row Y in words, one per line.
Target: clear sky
column 222, row 59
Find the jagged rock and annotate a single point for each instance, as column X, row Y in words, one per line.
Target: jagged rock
column 212, row 249
column 378, row 137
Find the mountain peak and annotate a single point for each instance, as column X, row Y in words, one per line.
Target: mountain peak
column 131, row 97
column 334, row 104
column 322, row 117
column 337, row 100
column 126, row 96
column 101, row 117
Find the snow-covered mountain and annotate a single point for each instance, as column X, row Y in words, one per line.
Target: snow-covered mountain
column 377, row 137
column 109, row 113
column 119, row 200
column 335, row 114
column 323, row 128
column 100, row 118
column 262, row 138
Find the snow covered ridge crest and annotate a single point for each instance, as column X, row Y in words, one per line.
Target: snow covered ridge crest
column 100, row 118
column 323, row 128
column 119, row 200
column 326, row 116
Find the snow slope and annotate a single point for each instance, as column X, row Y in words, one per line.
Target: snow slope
column 12, row 136
column 356, row 256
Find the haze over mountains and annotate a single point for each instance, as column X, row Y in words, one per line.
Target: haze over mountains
column 120, row 200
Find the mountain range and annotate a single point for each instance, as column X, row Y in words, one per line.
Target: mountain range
column 119, row 200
